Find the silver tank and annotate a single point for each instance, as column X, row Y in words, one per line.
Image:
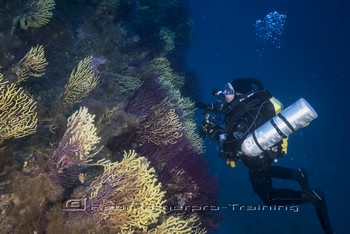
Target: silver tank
column 298, row 115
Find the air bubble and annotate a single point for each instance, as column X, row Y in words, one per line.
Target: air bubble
column 270, row 29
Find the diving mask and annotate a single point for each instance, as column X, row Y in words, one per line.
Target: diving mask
column 228, row 89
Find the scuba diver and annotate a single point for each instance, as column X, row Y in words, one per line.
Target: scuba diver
column 250, row 125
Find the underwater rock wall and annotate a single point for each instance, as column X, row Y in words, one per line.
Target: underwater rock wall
column 95, row 132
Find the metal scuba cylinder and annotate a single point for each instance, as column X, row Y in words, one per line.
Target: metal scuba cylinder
column 294, row 117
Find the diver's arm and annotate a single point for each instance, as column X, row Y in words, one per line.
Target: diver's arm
column 213, row 107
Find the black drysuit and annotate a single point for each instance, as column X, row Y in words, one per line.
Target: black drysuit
column 243, row 118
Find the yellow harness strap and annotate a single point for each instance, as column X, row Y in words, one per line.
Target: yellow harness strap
column 284, row 145
column 230, row 163
column 277, row 105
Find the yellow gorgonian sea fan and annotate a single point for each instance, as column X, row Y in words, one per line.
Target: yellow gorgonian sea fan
column 127, row 196
column 162, row 67
column 82, row 80
column 190, row 132
column 127, row 83
column 77, row 143
column 32, row 64
column 179, row 224
column 18, row 117
column 36, row 14
column 74, row 151
column 2, row 83
column 168, row 37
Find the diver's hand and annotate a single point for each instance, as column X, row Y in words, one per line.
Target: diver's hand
column 207, row 107
column 216, row 92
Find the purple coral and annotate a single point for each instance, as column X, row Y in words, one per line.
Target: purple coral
column 182, row 171
column 149, row 94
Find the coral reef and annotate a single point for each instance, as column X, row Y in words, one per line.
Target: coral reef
column 173, row 157
column 73, row 153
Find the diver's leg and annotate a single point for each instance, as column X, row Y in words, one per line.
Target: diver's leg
column 262, row 185
column 314, row 196
column 299, row 175
column 317, row 197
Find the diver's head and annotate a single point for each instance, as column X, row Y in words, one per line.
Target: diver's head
column 229, row 92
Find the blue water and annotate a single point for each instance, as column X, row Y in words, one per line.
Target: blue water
column 313, row 62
